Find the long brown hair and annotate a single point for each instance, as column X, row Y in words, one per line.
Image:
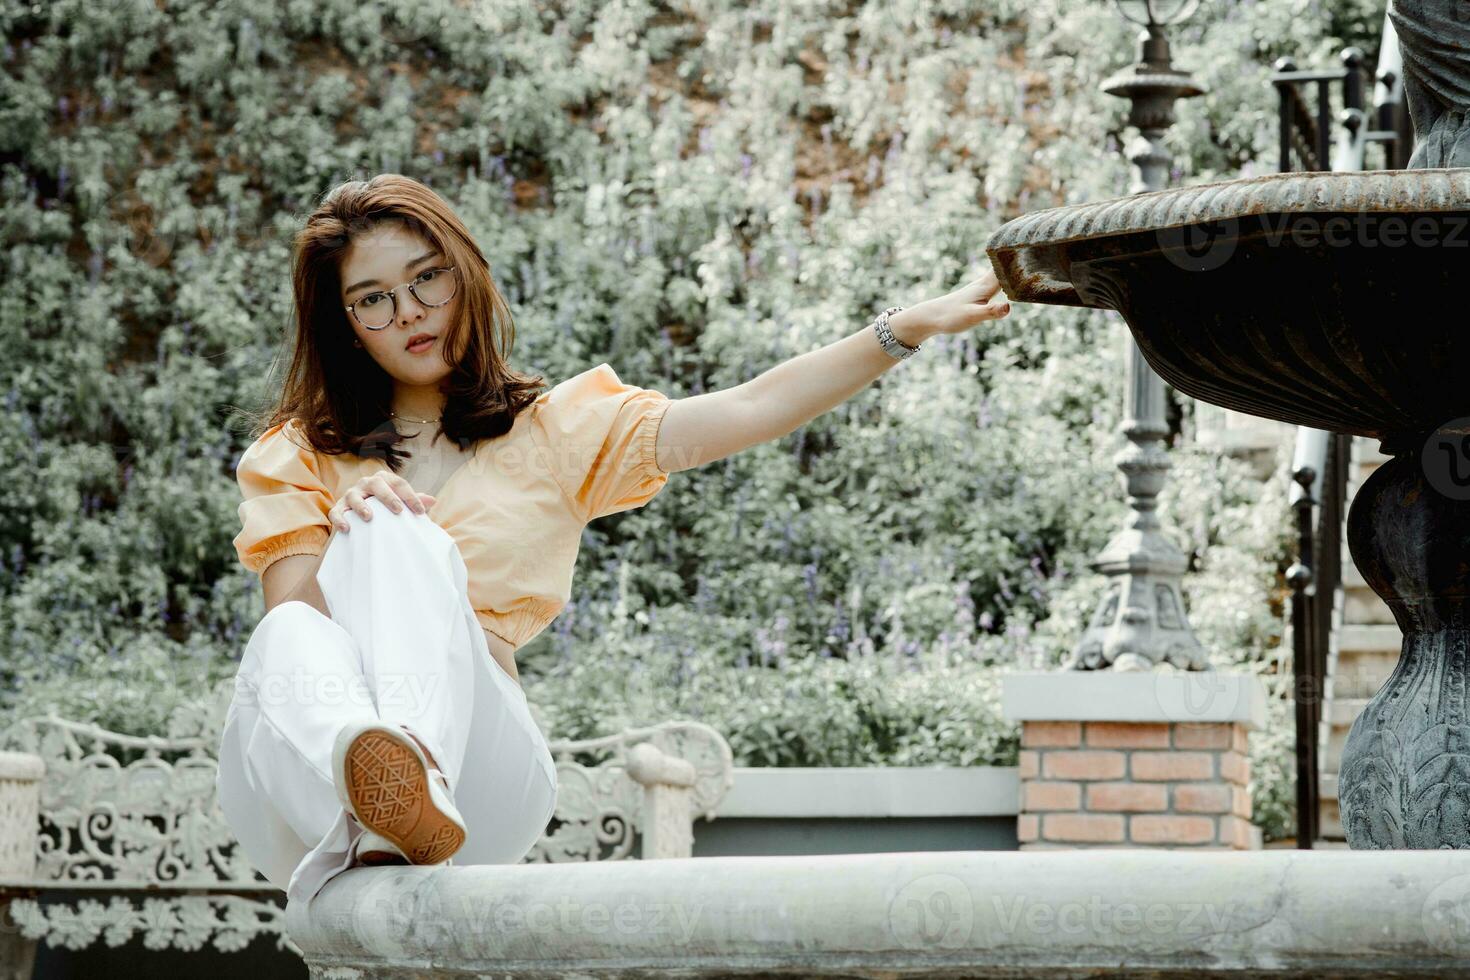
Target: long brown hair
column 336, row 391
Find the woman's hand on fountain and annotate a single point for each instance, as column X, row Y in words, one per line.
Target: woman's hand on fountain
column 962, row 309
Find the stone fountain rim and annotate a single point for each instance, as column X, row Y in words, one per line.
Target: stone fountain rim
column 1429, row 190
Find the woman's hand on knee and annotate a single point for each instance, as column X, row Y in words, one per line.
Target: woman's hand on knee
column 386, row 485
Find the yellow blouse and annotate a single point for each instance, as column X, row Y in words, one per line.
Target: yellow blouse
column 583, row 450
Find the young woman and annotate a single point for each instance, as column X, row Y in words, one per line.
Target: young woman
column 414, row 508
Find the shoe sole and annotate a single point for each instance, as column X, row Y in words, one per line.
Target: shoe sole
column 388, row 787
column 375, row 858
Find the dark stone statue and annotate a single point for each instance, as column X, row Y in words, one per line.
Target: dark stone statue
column 1434, row 36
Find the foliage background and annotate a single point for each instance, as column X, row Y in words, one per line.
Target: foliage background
column 693, row 192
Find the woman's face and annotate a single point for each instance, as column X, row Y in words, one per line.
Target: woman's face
column 385, row 258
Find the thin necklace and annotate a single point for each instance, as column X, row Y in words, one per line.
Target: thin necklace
column 407, row 419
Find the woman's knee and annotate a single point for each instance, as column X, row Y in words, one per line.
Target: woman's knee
column 405, row 543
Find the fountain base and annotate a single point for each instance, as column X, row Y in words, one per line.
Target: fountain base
column 1405, row 778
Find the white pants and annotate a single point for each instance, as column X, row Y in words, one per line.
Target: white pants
column 402, row 645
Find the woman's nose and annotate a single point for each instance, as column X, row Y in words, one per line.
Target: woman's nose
column 410, row 310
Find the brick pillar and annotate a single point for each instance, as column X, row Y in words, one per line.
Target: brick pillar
column 1135, row 759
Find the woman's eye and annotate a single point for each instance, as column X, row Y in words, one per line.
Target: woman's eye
column 426, row 276
column 371, row 299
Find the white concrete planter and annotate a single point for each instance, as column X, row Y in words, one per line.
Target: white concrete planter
column 873, row 791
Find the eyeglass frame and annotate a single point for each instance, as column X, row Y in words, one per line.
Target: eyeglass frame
column 392, row 295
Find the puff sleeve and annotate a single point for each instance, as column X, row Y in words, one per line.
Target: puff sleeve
column 284, row 510
column 601, row 434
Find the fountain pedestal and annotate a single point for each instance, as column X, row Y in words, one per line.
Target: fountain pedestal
column 1405, row 778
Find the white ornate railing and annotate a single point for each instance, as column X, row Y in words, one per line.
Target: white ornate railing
column 133, row 825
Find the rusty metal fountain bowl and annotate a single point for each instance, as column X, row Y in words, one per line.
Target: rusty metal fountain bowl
column 1338, row 301
column 1333, row 300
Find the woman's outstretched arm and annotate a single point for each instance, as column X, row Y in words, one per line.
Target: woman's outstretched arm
column 711, row 426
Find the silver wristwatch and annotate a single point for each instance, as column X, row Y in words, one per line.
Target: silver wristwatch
column 890, row 343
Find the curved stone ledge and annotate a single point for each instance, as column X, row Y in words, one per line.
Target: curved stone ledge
column 1130, row 912
column 1288, row 193
column 1027, row 250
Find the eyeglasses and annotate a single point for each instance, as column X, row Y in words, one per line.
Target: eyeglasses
column 432, row 287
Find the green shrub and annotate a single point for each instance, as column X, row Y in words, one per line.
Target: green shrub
column 693, row 198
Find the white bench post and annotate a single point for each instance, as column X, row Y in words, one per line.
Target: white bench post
column 668, row 782
column 20, row 816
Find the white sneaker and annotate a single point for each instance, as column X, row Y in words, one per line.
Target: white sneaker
column 384, row 780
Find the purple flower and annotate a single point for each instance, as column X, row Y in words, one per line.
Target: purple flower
column 962, row 596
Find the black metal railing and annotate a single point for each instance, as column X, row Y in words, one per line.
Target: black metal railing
column 1319, row 471
column 1309, row 141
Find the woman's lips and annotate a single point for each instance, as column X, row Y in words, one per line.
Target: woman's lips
column 422, row 345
